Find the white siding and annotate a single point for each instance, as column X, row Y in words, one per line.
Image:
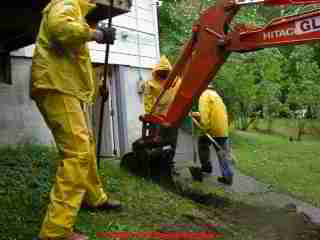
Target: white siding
column 136, row 44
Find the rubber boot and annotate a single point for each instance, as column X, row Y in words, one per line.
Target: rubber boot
column 204, row 154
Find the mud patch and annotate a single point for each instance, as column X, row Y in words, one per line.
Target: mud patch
column 268, row 223
column 260, row 222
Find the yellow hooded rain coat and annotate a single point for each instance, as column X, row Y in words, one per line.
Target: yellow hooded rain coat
column 213, row 114
column 154, row 88
column 62, row 84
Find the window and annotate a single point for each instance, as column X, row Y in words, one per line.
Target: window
column 5, row 68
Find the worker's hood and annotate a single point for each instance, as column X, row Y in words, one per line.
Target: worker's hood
column 163, row 65
column 85, row 6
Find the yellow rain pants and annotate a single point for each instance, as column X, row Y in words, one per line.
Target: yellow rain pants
column 213, row 114
column 76, row 177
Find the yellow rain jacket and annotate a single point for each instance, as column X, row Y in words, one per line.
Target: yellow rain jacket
column 62, row 85
column 61, row 60
column 154, row 88
column 213, row 114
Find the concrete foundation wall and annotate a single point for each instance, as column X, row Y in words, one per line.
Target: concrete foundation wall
column 20, row 120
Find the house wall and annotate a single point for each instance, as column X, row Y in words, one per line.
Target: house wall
column 137, row 42
column 133, row 103
column 20, row 121
column 135, row 51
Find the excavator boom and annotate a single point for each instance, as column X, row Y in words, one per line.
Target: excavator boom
column 199, row 62
column 211, row 44
column 290, row 30
column 276, row 2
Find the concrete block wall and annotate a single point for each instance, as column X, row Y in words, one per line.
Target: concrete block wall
column 20, row 120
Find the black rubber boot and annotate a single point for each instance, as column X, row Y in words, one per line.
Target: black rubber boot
column 171, row 134
column 204, row 154
column 228, row 180
column 196, row 173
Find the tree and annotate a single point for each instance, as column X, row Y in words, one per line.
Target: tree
column 237, row 83
column 268, row 86
column 304, row 90
column 281, row 79
column 176, row 19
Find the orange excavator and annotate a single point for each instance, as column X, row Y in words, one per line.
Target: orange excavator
column 211, row 43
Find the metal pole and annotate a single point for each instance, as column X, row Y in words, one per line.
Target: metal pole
column 112, row 120
column 104, row 85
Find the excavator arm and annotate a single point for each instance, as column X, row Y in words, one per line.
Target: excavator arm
column 211, row 44
column 207, row 50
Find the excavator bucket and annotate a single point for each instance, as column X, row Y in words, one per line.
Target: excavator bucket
column 151, row 157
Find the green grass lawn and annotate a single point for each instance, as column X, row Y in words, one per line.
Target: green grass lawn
column 25, row 182
column 26, row 178
column 288, row 128
column 292, row 167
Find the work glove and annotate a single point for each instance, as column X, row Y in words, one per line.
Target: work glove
column 105, row 34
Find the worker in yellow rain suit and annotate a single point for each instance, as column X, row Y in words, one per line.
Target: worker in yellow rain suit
column 63, row 85
column 155, row 85
column 214, row 121
column 153, row 89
